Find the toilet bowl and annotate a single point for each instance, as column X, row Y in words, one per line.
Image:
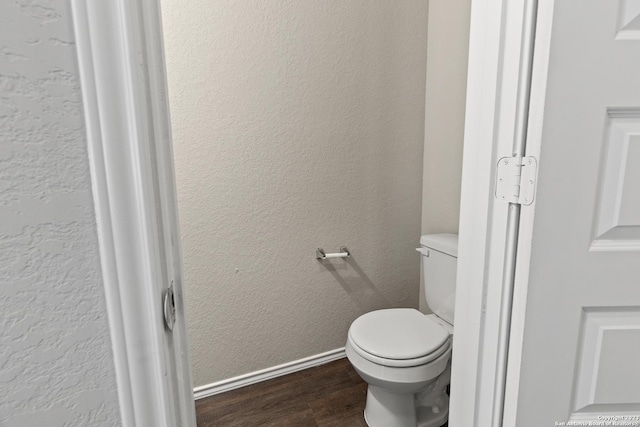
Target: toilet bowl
column 404, row 355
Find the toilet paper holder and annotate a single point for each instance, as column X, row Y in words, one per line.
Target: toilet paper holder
column 344, row 253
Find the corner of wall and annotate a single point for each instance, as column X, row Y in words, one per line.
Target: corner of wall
column 445, row 97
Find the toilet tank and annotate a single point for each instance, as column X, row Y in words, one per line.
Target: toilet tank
column 439, row 261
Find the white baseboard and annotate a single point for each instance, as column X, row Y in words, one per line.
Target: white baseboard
column 268, row 373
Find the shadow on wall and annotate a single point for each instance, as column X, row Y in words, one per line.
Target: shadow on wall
column 362, row 291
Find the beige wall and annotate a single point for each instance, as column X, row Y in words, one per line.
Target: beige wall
column 297, row 124
column 447, row 51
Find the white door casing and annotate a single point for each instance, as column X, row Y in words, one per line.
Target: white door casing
column 497, row 57
column 122, row 73
column 581, row 340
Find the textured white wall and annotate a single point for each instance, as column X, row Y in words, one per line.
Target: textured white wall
column 56, row 365
column 297, row 124
column 447, row 52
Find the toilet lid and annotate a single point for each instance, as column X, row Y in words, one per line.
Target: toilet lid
column 397, row 333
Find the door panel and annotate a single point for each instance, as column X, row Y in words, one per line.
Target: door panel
column 607, row 370
column 582, row 321
column 628, row 20
column 618, row 203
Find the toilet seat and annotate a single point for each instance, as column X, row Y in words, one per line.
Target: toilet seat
column 398, row 338
column 400, row 363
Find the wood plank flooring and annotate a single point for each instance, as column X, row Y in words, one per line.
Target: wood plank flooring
column 331, row 395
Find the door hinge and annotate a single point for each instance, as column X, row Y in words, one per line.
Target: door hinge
column 516, row 179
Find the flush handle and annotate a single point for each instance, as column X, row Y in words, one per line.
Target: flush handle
column 423, row 251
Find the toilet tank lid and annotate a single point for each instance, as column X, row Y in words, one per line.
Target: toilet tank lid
column 445, row 242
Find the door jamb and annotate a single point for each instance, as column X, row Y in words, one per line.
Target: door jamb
column 537, row 100
column 495, row 60
column 123, row 83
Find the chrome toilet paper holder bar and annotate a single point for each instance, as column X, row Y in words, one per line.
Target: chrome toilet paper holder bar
column 344, row 253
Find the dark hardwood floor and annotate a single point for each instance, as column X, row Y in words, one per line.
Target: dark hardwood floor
column 323, row 396
column 331, row 395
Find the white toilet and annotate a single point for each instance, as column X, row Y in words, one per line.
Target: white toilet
column 405, row 355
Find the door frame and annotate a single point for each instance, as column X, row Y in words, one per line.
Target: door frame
column 496, row 68
column 123, row 81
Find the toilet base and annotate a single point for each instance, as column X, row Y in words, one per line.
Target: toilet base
column 433, row 402
column 428, row 408
column 385, row 409
column 428, row 418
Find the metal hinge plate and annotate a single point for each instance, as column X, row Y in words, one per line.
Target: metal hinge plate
column 516, row 179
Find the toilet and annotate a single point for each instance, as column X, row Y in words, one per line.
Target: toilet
column 404, row 355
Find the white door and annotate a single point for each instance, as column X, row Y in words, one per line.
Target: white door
column 581, row 345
